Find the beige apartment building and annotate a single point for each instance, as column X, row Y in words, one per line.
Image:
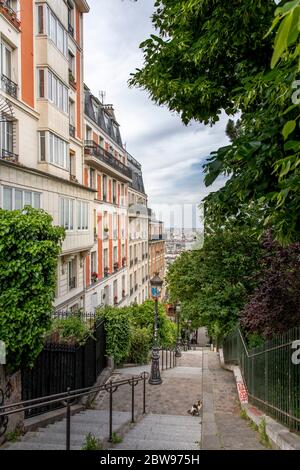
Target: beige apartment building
column 41, row 147
column 61, row 149
column 138, row 275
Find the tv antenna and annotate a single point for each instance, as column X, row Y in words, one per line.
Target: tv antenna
column 102, row 96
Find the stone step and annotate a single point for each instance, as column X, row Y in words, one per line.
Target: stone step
column 164, row 435
column 153, row 444
column 26, row 445
column 77, row 440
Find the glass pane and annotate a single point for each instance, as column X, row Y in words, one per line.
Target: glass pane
column 42, row 147
column 7, row 199
column 66, row 214
column 71, row 215
column 50, row 85
column 18, row 199
column 27, row 198
column 79, row 215
column 62, row 212
column 36, row 200
column 60, row 38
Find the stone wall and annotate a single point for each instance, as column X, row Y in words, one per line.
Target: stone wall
column 10, row 392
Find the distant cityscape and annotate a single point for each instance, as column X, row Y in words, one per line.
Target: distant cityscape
column 179, row 240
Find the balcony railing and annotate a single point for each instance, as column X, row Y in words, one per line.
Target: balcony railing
column 9, row 156
column 72, row 130
column 91, row 148
column 10, row 87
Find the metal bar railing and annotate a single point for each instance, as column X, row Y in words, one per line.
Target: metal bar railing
column 70, row 396
column 271, row 377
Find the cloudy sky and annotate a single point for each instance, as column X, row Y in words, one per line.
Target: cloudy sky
column 171, row 154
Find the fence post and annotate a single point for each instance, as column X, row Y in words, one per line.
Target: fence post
column 68, row 422
column 170, row 359
column 144, row 392
column 110, row 410
column 132, row 400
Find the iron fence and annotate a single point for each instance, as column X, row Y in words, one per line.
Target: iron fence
column 271, row 376
column 60, row 366
column 69, row 398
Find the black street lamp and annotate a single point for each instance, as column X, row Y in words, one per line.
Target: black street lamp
column 178, row 342
column 189, row 334
column 155, row 378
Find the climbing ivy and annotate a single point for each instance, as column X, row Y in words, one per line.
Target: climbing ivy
column 29, row 248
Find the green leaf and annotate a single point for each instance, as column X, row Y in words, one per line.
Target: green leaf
column 281, row 41
column 288, row 128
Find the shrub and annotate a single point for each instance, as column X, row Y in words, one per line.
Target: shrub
column 92, row 442
column 71, row 329
column 29, row 248
column 118, row 332
column 140, row 346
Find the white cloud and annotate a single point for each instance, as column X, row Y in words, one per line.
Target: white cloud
column 169, row 152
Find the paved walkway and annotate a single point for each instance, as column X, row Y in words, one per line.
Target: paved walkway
column 167, row 425
column 223, row 428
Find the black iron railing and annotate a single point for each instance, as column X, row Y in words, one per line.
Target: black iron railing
column 10, row 87
column 91, row 148
column 60, row 366
column 69, row 398
column 271, row 377
column 9, row 156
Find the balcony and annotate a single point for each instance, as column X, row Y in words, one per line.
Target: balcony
column 94, row 150
column 137, row 210
column 9, row 13
column 10, row 87
column 9, row 156
column 72, row 130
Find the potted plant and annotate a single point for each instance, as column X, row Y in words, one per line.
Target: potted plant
column 106, row 271
column 94, row 277
column 115, row 299
column 116, row 266
column 124, row 261
column 123, row 293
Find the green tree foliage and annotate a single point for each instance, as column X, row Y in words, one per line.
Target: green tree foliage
column 214, row 283
column 29, row 248
column 127, row 327
column 210, row 56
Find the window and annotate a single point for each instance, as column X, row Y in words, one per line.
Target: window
column 6, row 53
column 48, row 23
column 70, row 17
column 114, row 191
column 92, row 178
column 104, row 185
column 6, row 135
column 54, row 150
column 115, row 254
column 67, row 213
column 71, row 60
column 53, row 89
column 72, row 269
column 93, row 262
column 16, row 198
column 82, row 215
column 105, row 257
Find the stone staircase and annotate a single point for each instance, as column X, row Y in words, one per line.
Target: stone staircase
column 53, row 437
column 163, row 432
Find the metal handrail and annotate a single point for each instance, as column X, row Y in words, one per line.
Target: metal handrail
column 172, row 361
column 71, row 395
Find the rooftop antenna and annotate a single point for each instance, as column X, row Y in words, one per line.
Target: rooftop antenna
column 102, row 96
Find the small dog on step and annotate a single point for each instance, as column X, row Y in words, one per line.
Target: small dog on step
column 196, row 408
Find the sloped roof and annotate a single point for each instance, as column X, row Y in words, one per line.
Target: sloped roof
column 104, row 117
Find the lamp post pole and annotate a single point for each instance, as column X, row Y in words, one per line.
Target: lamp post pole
column 178, row 350
column 155, row 378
